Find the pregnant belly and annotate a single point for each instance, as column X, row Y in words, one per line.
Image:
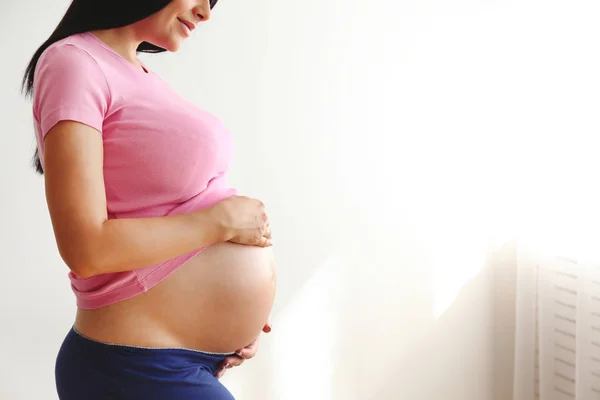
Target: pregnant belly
column 218, row 302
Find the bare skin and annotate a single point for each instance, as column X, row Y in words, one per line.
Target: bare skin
column 220, row 300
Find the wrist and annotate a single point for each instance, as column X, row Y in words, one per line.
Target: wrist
column 213, row 226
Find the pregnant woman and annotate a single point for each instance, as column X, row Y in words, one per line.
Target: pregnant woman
column 172, row 270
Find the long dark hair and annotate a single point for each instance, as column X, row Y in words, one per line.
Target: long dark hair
column 89, row 15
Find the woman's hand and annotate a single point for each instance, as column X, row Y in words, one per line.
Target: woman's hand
column 241, row 355
column 243, row 221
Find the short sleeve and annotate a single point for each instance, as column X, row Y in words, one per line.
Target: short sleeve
column 69, row 85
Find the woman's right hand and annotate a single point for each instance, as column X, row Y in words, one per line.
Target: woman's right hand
column 243, row 220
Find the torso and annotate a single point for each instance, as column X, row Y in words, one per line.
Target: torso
column 217, row 302
column 162, row 156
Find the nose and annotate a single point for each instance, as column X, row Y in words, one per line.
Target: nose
column 202, row 11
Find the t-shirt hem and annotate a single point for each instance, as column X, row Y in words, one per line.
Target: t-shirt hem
column 70, row 113
column 109, row 298
column 141, row 286
column 163, row 272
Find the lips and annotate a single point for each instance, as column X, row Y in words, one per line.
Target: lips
column 188, row 24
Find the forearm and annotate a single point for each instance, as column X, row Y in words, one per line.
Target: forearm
column 127, row 244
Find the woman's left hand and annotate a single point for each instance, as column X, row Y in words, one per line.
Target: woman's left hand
column 241, row 355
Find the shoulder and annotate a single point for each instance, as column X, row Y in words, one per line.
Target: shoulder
column 69, row 63
column 69, row 53
column 68, row 77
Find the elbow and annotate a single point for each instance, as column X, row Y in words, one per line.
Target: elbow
column 80, row 263
column 83, row 271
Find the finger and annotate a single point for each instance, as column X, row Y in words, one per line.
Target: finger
column 221, row 372
column 233, row 361
column 268, row 234
column 249, row 351
column 264, row 242
column 263, row 217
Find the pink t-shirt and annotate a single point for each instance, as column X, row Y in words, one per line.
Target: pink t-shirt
column 162, row 154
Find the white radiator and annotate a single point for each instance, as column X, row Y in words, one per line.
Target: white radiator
column 557, row 353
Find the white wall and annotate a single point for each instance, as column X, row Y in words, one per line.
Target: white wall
column 375, row 134
column 503, row 263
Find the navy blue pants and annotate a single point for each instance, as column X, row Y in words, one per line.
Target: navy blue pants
column 91, row 370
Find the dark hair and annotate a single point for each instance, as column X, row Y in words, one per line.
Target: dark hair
column 89, row 15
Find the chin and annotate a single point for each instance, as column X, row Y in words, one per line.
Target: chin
column 169, row 44
column 172, row 45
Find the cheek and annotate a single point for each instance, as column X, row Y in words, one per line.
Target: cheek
column 173, row 37
column 166, row 35
column 181, row 6
column 163, row 28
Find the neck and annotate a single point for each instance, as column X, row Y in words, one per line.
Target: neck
column 123, row 41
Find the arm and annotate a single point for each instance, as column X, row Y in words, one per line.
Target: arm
column 88, row 242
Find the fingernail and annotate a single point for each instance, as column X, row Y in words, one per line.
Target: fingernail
column 239, row 353
column 228, row 366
